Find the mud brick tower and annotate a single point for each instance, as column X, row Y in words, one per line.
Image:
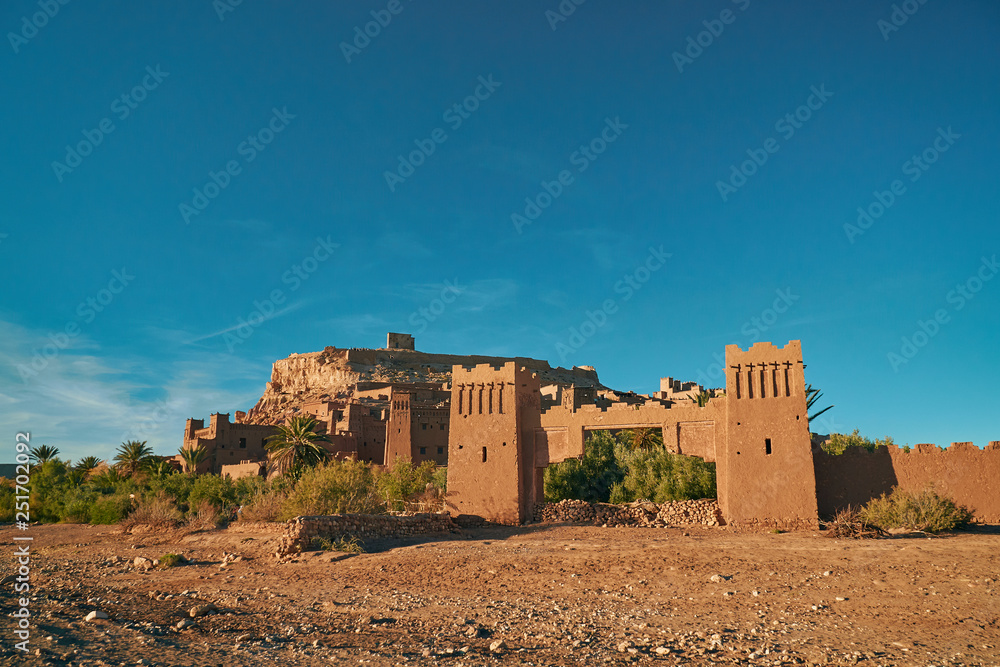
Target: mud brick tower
column 765, row 470
column 494, row 413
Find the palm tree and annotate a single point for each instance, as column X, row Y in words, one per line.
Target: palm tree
column 645, row 438
column 131, row 455
column 812, row 395
column 88, row 463
column 702, row 397
column 193, row 457
column 75, row 476
column 297, row 445
column 107, row 479
column 157, row 467
column 43, row 454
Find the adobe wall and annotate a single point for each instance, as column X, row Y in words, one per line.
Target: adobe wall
column 494, row 411
column 687, row 428
column 301, row 530
column 227, row 443
column 765, row 472
column 398, row 443
column 244, row 469
column 971, row 476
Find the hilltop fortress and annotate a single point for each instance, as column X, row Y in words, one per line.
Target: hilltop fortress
column 498, row 422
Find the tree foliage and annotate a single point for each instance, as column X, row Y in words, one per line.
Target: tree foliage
column 297, row 446
column 630, row 465
column 838, row 442
column 131, row 456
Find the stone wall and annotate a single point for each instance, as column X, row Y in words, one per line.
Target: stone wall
column 969, row 475
column 301, row 530
column 653, row 515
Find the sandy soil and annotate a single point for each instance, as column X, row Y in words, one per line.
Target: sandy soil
column 548, row 594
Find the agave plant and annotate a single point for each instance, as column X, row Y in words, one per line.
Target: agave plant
column 193, row 457
column 297, row 445
column 43, row 453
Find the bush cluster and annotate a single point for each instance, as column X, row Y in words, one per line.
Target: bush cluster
column 839, row 442
column 925, row 511
column 60, row 494
column 614, row 469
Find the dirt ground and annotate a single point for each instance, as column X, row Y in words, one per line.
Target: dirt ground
column 546, row 594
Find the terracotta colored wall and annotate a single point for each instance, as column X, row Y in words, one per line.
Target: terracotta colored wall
column 397, row 431
column 486, row 422
column 966, row 473
column 221, row 439
column 765, row 474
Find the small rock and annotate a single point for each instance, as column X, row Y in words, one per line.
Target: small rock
column 97, row 613
column 498, row 646
column 718, row 578
column 662, row 650
column 143, row 563
column 202, row 610
column 184, row 623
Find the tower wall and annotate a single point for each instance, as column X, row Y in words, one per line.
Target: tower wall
column 765, row 471
column 491, row 443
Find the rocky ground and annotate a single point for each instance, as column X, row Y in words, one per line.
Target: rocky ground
column 543, row 594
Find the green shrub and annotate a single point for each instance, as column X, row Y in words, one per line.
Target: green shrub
column 7, row 494
column 110, row 509
column 926, row 511
column 264, row 506
column 48, row 490
column 351, row 545
column 402, row 481
column 335, row 487
column 838, row 442
column 590, row 478
column 611, row 470
column 440, row 479
column 158, row 510
column 171, row 560
column 661, row 476
column 218, row 491
column 77, row 506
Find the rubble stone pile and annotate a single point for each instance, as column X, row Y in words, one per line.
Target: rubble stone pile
column 302, row 529
column 641, row 513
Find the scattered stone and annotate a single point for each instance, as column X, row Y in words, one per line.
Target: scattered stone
column 184, row 623
column 202, row 610
column 96, row 614
column 498, row 646
column 143, row 563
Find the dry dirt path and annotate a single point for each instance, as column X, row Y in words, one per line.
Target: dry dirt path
column 551, row 594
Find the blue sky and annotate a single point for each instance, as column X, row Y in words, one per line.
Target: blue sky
column 173, row 169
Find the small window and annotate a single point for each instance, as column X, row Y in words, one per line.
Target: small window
column 484, row 455
column 423, row 450
column 440, row 450
column 423, row 426
column 243, row 443
column 767, row 445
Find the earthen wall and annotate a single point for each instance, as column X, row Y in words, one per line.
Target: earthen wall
column 301, row 530
column 969, row 475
